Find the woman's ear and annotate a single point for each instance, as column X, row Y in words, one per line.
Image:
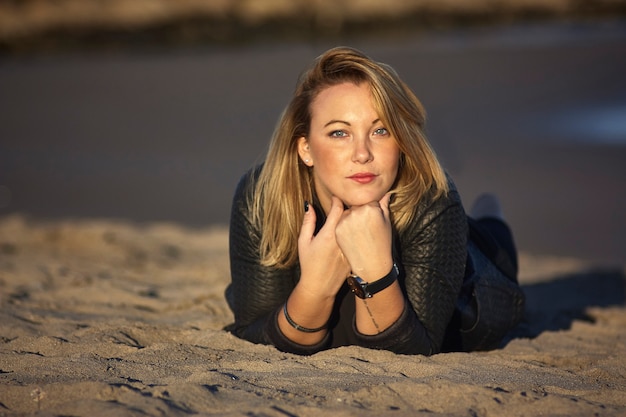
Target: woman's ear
column 304, row 151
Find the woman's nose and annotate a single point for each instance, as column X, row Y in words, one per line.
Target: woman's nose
column 362, row 150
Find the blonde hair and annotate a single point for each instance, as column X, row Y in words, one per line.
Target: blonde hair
column 285, row 183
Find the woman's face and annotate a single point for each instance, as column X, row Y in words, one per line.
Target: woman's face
column 353, row 155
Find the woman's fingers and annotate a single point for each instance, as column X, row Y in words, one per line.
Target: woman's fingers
column 364, row 236
column 308, row 224
column 334, row 214
column 384, row 205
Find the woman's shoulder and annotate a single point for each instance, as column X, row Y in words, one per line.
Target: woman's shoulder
column 453, row 197
column 249, row 178
column 433, row 202
column 243, row 196
column 433, row 205
column 244, row 191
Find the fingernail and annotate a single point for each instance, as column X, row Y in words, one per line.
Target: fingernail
column 306, row 206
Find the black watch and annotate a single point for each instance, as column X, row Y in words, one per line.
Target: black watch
column 363, row 289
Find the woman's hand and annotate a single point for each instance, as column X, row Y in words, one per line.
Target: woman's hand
column 323, row 266
column 323, row 269
column 357, row 240
column 364, row 236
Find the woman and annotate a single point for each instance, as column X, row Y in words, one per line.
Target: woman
column 350, row 232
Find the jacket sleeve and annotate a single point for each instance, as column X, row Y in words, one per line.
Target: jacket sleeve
column 433, row 254
column 406, row 336
column 256, row 293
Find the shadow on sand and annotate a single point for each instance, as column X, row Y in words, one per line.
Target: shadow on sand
column 554, row 305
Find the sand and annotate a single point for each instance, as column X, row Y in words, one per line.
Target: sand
column 112, row 318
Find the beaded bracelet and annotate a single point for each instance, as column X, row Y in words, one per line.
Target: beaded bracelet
column 297, row 326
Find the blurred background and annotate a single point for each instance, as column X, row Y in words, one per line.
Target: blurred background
column 151, row 110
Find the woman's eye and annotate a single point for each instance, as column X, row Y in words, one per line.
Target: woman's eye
column 381, row 131
column 338, row 134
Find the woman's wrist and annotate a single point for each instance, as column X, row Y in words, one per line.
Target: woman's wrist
column 303, row 319
column 315, row 290
column 374, row 270
column 298, row 327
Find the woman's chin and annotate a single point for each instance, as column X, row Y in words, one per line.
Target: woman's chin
column 359, row 202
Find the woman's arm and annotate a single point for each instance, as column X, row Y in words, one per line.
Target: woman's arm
column 411, row 316
column 258, row 294
column 434, row 253
column 365, row 236
column 323, row 272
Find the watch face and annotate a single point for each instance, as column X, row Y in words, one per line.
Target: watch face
column 357, row 286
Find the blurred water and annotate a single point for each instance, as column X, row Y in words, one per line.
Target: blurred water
column 598, row 124
column 533, row 113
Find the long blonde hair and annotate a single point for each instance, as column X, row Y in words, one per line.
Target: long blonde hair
column 285, row 183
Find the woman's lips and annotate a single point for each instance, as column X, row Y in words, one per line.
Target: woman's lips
column 363, row 177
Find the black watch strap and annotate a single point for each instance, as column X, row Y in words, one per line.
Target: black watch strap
column 364, row 289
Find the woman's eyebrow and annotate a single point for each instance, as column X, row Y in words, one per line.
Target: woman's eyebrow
column 337, row 121
column 346, row 123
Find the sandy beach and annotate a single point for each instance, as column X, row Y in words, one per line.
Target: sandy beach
column 109, row 318
column 117, row 167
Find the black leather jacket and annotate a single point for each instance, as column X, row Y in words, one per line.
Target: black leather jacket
column 431, row 255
